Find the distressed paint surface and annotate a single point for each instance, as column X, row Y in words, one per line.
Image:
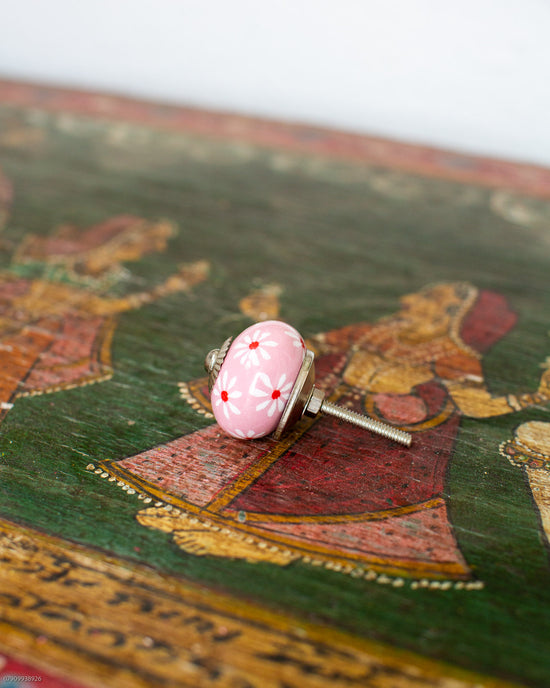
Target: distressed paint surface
column 137, row 237
column 333, row 494
column 131, row 629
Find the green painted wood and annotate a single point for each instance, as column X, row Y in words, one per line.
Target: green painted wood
column 344, row 240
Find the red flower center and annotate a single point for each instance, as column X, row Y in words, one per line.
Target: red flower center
column 275, row 394
column 224, row 395
column 254, row 345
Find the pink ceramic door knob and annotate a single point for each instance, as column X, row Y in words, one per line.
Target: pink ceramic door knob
column 256, row 378
column 263, row 383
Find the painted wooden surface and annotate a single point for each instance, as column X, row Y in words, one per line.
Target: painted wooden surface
column 141, row 546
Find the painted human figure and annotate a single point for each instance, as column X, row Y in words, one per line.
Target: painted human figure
column 437, row 339
column 336, row 494
column 529, row 450
column 56, row 314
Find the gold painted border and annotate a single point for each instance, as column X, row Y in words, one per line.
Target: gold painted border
column 78, row 612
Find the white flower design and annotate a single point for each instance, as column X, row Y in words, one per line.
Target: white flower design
column 224, row 394
column 247, row 350
column 275, row 395
column 297, row 340
column 249, row 435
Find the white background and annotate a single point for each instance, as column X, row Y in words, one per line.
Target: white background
column 472, row 75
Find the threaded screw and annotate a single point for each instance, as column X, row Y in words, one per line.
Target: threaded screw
column 366, row 422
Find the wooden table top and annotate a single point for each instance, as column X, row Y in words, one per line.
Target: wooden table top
column 139, row 544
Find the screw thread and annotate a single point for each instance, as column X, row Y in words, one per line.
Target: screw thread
column 367, row 423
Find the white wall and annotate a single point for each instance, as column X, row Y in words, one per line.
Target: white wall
column 473, row 75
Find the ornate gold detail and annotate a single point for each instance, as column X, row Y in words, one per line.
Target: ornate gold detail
column 113, row 623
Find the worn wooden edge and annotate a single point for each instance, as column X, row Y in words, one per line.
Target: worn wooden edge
column 77, row 612
column 528, row 179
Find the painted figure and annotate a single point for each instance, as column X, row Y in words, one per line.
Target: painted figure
column 56, row 314
column 334, row 496
column 530, row 450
